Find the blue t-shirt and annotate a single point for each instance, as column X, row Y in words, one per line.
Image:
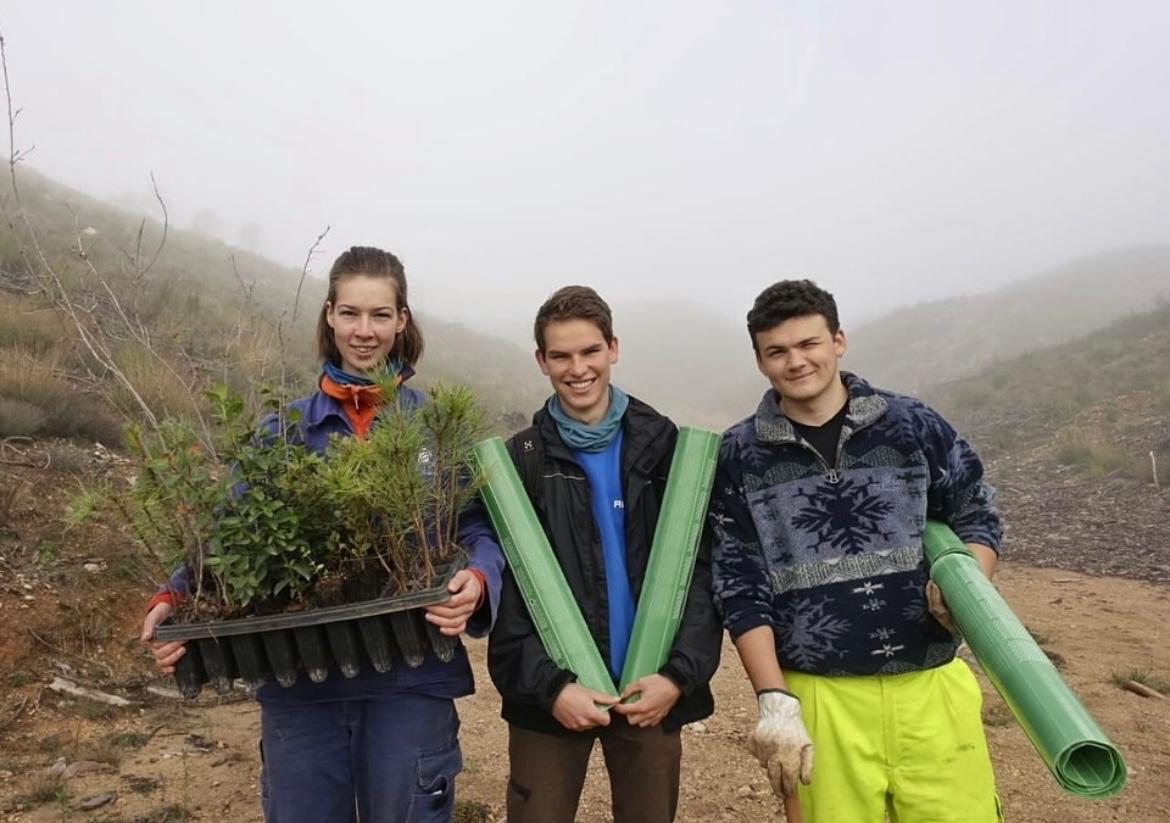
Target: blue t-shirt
column 603, row 469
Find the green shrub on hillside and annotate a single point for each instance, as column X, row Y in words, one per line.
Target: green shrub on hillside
column 1021, row 401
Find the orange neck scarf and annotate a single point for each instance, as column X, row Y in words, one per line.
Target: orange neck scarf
column 360, row 403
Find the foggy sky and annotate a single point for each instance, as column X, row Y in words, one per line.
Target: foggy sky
column 893, row 151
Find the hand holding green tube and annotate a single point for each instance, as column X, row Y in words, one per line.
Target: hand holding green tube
column 1080, row 756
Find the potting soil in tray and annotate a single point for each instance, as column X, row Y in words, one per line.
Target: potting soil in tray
column 380, row 633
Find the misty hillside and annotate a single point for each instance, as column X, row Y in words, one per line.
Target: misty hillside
column 211, row 311
column 218, row 311
column 688, row 362
column 1120, row 373
column 912, row 348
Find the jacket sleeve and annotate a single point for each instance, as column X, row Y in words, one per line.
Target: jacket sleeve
column 958, row 494
column 484, row 555
column 518, row 664
column 740, row 585
column 694, row 657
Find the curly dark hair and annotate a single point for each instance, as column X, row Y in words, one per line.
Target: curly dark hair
column 787, row 299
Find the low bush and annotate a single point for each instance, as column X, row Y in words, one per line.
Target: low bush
column 36, row 401
column 1096, row 456
column 19, row 418
column 45, row 787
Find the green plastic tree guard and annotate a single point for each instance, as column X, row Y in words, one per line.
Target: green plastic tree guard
column 542, row 584
column 673, row 552
column 1080, row 756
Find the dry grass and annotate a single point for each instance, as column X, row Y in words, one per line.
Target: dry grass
column 44, row 787
column 129, row 740
column 1143, row 676
column 161, row 383
column 19, row 678
column 91, row 710
column 35, row 399
column 26, row 325
column 1094, row 454
column 31, row 376
column 99, row 751
column 471, row 811
column 143, row 785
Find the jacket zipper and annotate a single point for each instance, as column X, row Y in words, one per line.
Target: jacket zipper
column 832, row 475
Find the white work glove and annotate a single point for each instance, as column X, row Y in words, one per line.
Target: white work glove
column 781, row 742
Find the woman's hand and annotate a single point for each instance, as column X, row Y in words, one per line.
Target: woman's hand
column 451, row 616
column 165, row 654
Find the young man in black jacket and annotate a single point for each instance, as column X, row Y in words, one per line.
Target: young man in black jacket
column 595, row 464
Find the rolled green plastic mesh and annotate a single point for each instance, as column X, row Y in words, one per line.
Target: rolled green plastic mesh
column 672, row 554
column 1080, row 756
column 542, row 584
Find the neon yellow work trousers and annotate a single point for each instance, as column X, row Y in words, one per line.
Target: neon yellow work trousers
column 907, row 745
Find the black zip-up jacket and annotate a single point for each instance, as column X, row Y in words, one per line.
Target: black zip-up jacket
column 526, row 677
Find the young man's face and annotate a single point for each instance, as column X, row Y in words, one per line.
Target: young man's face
column 576, row 359
column 799, row 358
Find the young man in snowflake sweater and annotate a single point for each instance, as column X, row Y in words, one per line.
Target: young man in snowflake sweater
column 818, row 510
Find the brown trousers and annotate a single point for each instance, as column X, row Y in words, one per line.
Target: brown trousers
column 548, row 772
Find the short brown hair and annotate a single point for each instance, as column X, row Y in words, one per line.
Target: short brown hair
column 574, row 303
column 367, row 260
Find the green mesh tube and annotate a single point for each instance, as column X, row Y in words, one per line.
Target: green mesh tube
column 542, row 584
column 672, row 554
column 1076, row 751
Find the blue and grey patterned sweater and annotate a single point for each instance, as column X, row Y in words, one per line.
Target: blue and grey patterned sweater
column 831, row 558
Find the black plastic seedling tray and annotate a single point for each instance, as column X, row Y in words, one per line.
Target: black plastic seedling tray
column 376, row 633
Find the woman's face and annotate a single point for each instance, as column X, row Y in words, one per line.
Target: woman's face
column 365, row 319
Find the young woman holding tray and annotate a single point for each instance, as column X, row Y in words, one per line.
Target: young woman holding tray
column 381, row 748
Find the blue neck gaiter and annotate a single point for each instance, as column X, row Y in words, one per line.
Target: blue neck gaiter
column 343, row 378
column 585, row 438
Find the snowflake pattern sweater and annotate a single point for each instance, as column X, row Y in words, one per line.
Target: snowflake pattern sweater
column 831, row 557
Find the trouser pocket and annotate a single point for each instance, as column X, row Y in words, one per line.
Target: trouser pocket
column 434, row 796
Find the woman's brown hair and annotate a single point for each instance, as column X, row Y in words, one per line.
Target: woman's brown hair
column 372, row 262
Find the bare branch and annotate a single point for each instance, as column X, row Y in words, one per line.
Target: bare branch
column 55, row 287
column 1142, row 689
column 70, row 688
column 304, row 272
column 14, row 455
column 165, row 228
column 246, row 292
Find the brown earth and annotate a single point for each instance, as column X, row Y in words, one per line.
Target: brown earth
column 164, row 760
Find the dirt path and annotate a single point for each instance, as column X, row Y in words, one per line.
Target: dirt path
column 201, row 764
